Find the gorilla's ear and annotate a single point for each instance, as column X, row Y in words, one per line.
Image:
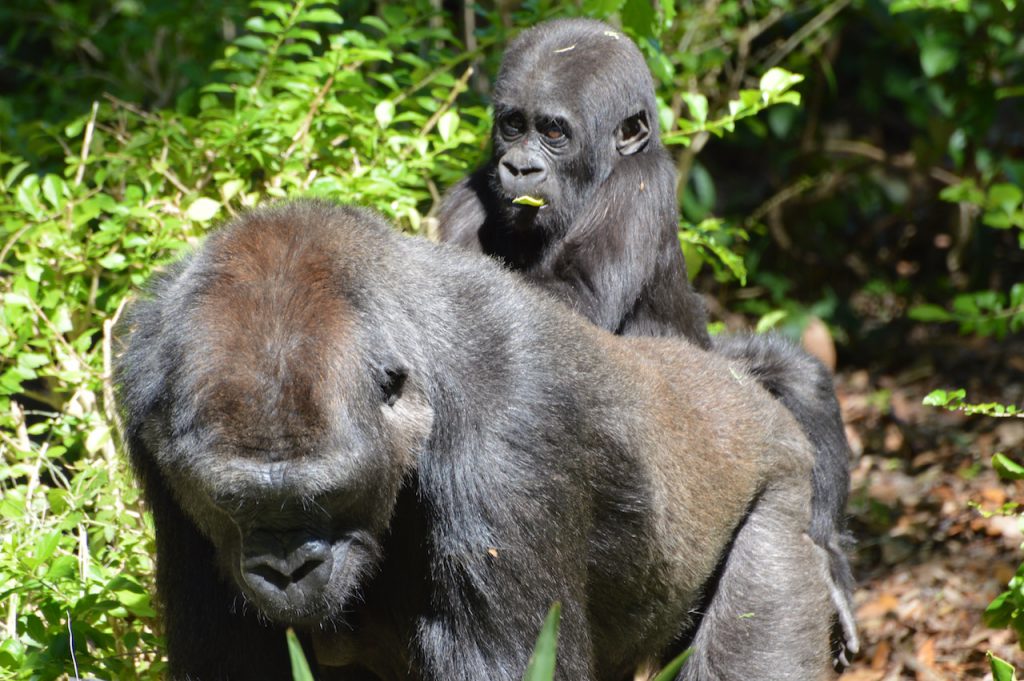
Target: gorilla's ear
column 632, row 134
column 392, row 382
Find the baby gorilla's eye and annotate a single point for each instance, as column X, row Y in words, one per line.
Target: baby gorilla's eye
column 512, row 124
column 554, row 131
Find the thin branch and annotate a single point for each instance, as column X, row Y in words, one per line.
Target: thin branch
column 108, row 354
column 783, row 195
column 441, row 70
column 904, row 161
column 308, row 120
column 86, row 144
column 826, row 15
column 456, row 90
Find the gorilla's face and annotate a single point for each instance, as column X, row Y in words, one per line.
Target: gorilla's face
column 296, row 495
column 541, row 168
column 271, row 401
column 561, row 125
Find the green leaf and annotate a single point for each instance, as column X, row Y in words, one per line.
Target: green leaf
column 600, row 9
column 46, row 547
column 671, row 670
column 777, row 80
column 384, row 112
column 53, row 190
column 62, row 320
column 447, row 124
column 942, row 398
column 12, row 175
column 97, row 437
column 62, row 568
column 1001, row 669
column 300, row 667
column 937, row 57
column 253, row 42
column 113, row 261
column 663, row 70
column 202, row 209
column 1005, row 196
column 33, row 271
column 541, row 666
column 526, row 200
column 770, row 320
column 323, row 16
column 668, row 13
column 1007, row 468
column 999, row 613
column 929, row 313
column 32, row 360
column 698, row 106
column 27, row 196
column 230, row 189
column 135, row 600
column 639, row 17
column 898, row 6
column 963, row 192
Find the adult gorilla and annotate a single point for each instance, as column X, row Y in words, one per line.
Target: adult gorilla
column 406, row 453
column 576, row 131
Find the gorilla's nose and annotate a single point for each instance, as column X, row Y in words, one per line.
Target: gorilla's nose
column 290, row 568
column 522, row 170
column 521, row 177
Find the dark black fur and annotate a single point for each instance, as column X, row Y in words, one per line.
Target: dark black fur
column 606, row 243
column 408, row 454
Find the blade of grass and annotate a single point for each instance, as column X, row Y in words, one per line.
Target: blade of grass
column 300, row 668
column 542, row 662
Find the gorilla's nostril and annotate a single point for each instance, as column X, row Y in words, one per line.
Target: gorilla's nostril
column 306, row 568
column 271, row 576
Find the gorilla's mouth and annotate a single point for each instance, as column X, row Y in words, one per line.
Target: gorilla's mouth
column 307, row 594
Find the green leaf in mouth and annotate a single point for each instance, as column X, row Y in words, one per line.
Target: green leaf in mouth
column 527, row 200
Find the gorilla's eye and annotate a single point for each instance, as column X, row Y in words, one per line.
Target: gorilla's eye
column 554, row 131
column 512, row 124
column 391, row 384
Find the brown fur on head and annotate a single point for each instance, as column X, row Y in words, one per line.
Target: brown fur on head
column 274, row 318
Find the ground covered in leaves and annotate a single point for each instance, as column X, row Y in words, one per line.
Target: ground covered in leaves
column 928, row 560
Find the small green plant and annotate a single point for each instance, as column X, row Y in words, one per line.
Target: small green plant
column 1001, row 669
column 300, row 667
column 1007, row 610
column 953, row 400
column 986, row 313
column 541, row 666
column 673, row 668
